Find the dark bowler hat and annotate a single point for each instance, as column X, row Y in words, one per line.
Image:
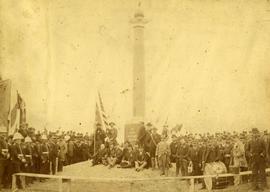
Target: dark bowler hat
column 174, row 136
column 255, row 130
column 111, row 123
column 149, row 124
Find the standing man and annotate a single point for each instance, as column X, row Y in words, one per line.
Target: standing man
column 62, row 146
column 182, row 157
column 4, row 155
column 53, row 153
column 17, row 157
column 163, row 153
column 257, row 152
column 155, row 139
column 173, row 147
column 44, row 149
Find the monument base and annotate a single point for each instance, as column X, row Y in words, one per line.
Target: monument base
column 132, row 129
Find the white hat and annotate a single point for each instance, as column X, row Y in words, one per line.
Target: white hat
column 44, row 137
column 28, row 139
column 67, row 137
column 17, row 136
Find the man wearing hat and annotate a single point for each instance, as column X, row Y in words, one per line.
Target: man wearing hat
column 4, row 155
column 257, row 153
column 112, row 133
column 99, row 137
column 155, row 139
column 173, row 147
column 53, row 153
column 28, row 151
column 165, row 131
column 62, row 147
column 45, row 163
column 17, row 157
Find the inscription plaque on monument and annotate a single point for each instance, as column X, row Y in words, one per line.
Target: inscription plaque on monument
column 131, row 132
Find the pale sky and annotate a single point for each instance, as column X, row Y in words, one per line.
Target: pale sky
column 207, row 62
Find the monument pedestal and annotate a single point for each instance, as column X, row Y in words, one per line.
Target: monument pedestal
column 132, row 129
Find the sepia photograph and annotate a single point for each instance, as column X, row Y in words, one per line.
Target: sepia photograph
column 134, row 95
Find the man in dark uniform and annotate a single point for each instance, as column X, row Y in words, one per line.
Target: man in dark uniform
column 99, row 137
column 100, row 156
column 28, row 151
column 111, row 133
column 53, row 153
column 36, row 154
column 182, row 157
column 17, row 157
column 44, row 149
column 173, row 147
column 193, row 155
column 141, row 159
column 4, row 155
column 257, row 153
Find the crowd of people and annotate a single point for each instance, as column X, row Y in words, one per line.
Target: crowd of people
column 191, row 154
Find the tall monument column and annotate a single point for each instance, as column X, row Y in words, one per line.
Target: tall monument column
column 131, row 128
column 138, row 66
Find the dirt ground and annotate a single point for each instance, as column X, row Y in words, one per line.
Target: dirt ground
column 119, row 183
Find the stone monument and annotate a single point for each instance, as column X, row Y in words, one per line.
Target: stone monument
column 132, row 127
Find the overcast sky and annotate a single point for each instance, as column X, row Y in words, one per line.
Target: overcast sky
column 207, row 62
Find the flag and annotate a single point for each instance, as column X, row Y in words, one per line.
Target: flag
column 22, row 108
column 5, row 95
column 101, row 116
column 14, row 120
column 103, row 113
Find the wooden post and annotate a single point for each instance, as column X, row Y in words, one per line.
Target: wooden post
column 56, row 165
column 13, row 187
column 68, row 185
column 191, row 187
column 60, row 185
column 131, row 186
column 22, row 178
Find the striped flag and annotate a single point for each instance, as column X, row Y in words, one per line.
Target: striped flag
column 14, row 120
column 103, row 113
column 101, row 116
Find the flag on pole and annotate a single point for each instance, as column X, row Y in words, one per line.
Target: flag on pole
column 14, row 120
column 104, row 116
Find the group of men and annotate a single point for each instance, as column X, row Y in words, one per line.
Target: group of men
column 44, row 153
column 192, row 154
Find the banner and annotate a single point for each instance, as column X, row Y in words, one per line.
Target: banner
column 14, row 120
column 5, row 94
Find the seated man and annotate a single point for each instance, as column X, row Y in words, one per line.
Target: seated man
column 128, row 158
column 100, row 156
column 114, row 155
column 141, row 159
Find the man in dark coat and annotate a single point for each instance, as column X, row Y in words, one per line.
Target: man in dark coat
column 44, row 154
column 99, row 137
column 53, row 151
column 4, row 155
column 182, row 157
column 17, row 157
column 257, row 152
